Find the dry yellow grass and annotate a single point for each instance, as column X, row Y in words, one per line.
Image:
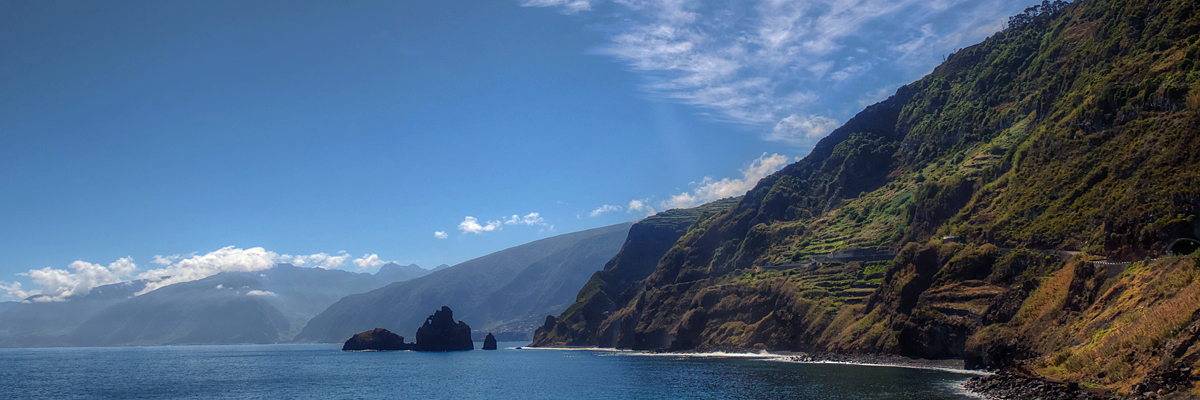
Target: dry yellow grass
column 1120, row 339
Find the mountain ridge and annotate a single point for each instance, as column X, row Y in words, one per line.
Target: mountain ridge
column 1069, row 132
column 268, row 306
column 484, row 291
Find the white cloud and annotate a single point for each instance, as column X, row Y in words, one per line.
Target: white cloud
column 760, row 62
column 370, row 261
column 641, row 207
column 637, row 205
column 168, row 260
column 440, row 235
column 710, row 189
column 471, row 225
column 14, row 290
column 319, row 260
column 849, row 72
column 261, row 293
column 796, row 129
column 82, row 276
column 603, row 209
column 530, row 219
column 820, row 69
column 568, row 6
column 680, row 200
column 227, row 259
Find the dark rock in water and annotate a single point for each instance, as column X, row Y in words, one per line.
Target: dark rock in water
column 440, row 333
column 376, row 339
column 489, row 342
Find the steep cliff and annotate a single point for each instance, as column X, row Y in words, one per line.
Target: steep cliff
column 616, row 284
column 1052, row 152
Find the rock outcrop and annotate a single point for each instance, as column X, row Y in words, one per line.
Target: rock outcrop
column 441, row 333
column 1007, row 385
column 489, row 342
column 376, row 339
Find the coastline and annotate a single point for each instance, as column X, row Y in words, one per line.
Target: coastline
column 955, row 365
column 1009, row 384
column 1003, row 384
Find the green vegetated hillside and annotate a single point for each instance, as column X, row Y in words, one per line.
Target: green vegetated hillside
column 506, row 292
column 614, row 286
column 1070, row 137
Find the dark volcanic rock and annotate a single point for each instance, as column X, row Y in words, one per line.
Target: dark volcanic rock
column 376, row 339
column 440, row 333
column 489, row 342
column 1007, row 385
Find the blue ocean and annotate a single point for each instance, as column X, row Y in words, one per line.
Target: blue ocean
column 325, row 372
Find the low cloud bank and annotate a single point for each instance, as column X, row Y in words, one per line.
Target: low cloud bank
column 80, row 277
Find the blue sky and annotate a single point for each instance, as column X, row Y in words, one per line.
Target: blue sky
column 153, row 139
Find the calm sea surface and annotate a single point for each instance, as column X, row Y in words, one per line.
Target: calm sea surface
column 324, row 371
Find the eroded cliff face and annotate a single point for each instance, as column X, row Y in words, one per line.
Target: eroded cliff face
column 1055, row 151
column 619, row 281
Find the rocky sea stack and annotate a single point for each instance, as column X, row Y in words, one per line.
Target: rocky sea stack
column 441, row 333
column 376, row 339
column 489, row 342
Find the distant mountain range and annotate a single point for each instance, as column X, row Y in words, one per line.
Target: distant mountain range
column 34, row 323
column 507, row 292
column 234, row 307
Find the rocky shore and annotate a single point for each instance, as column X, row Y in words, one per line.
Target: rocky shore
column 1010, row 385
column 1001, row 385
column 1006, row 384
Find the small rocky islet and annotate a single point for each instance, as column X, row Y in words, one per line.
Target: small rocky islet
column 439, row 333
column 489, row 342
column 376, row 339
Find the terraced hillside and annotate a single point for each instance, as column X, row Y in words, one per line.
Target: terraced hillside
column 1075, row 131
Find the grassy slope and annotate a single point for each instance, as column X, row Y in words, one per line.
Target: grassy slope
column 1078, row 131
column 613, row 286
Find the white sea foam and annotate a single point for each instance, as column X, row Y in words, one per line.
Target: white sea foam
column 766, row 356
column 604, row 349
column 896, row 365
column 711, row 354
column 960, row 388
